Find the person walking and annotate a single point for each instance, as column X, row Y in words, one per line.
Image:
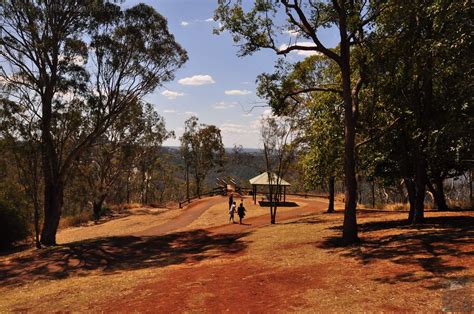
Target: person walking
column 241, row 211
column 231, row 212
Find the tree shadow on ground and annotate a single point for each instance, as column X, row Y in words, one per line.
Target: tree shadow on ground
column 437, row 247
column 114, row 254
column 311, row 220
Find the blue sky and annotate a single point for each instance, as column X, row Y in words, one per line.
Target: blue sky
column 215, row 85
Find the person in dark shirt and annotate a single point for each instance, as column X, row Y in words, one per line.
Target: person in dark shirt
column 241, row 211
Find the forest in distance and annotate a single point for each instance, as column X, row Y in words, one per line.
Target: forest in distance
column 384, row 117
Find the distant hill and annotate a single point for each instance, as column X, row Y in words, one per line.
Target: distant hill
column 241, row 165
column 228, row 150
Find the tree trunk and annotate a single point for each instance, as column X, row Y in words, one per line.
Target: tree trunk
column 97, row 208
column 187, row 181
column 470, row 188
column 420, row 184
column 198, row 187
column 349, row 229
column 37, row 223
column 144, row 198
column 438, row 193
column 410, row 186
column 53, row 185
column 53, row 201
column 373, row 193
column 128, row 189
column 350, row 99
column 331, row 195
column 359, row 190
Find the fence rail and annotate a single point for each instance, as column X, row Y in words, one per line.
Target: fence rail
column 214, row 191
column 223, row 191
column 306, row 195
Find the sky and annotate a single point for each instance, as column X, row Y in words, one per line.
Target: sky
column 215, row 84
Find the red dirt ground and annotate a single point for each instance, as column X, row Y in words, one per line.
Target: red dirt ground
column 294, row 266
column 236, row 284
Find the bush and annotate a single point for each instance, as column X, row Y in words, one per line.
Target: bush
column 76, row 220
column 14, row 225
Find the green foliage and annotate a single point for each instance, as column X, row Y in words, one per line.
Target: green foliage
column 320, row 113
column 202, row 149
column 71, row 69
column 418, row 74
column 14, row 224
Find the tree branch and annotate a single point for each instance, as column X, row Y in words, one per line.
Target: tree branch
column 380, row 134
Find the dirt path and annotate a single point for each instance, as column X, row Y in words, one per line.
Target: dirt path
column 264, row 220
column 196, row 209
column 223, row 287
column 191, row 213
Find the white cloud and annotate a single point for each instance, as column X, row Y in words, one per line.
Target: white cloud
column 169, row 111
column 171, row 95
column 184, row 23
column 223, row 105
column 247, row 114
column 238, row 92
column 307, row 53
column 209, row 20
column 233, row 128
column 197, row 80
column 291, row 33
column 304, row 53
column 191, row 113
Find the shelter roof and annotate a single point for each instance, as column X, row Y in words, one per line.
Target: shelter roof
column 262, row 179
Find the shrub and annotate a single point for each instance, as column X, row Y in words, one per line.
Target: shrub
column 76, row 220
column 14, row 225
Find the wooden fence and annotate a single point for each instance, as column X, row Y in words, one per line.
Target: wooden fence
column 223, row 191
column 215, row 191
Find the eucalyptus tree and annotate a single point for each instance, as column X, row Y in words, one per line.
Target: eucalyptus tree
column 419, row 61
column 202, row 149
column 260, row 27
column 324, row 138
column 321, row 116
column 280, row 138
column 120, row 149
column 75, row 66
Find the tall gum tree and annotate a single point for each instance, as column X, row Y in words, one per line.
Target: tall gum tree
column 259, row 28
column 320, row 116
column 202, row 150
column 75, row 66
column 419, row 60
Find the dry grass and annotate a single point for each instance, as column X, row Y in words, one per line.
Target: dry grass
column 131, row 205
column 394, row 269
column 339, row 197
column 139, row 219
column 393, row 206
column 77, row 220
column 465, row 204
